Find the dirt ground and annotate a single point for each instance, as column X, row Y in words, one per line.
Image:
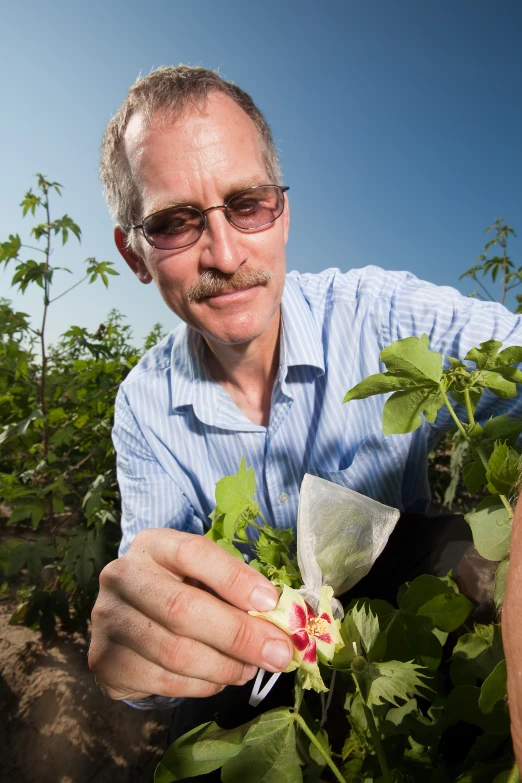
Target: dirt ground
column 55, row 724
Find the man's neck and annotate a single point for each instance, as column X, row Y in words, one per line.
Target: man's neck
column 248, row 371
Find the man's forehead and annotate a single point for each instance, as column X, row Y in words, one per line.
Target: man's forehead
column 219, row 134
column 211, row 116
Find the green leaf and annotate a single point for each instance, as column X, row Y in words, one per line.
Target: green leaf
column 491, row 527
column 413, row 359
column 235, row 499
column 10, row 248
column 485, row 356
column 497, row 384
column 322, row 738
column 372, row 638
column 511, row 355
column 414, row 375
column 494, row 688
column 83, row 570
column 396, row 715
column 501, row 578
column 428, row 596
column 476, row 654
column 393, row 680
column 402, row 411
column 231, row 549
column 414, row 637
column 463, row 705
column 350, row 636
column 269, row 752
column 503, row 469
column 380, row 383
column 474, row 476
column 199, row 751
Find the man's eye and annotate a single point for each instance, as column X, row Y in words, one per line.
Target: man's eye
column 171, row 224
column 246, row 206
column 175, row 226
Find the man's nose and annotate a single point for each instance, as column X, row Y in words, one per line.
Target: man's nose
column 221, row 246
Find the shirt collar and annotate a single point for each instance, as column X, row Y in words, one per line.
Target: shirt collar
column 190, row 380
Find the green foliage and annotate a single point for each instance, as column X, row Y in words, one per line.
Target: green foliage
column 235, row 515
column 57, row 473
column 500, row 268
column 414, row 376
column 264, row 749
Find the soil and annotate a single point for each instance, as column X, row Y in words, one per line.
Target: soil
column 55, row 724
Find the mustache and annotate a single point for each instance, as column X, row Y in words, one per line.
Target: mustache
column 211, row 283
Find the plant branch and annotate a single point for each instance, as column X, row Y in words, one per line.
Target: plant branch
column 491, row 298
column 68, row 289
column 30, row 247
column 324, row 753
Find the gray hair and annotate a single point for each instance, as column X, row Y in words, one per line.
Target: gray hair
column 169, row 91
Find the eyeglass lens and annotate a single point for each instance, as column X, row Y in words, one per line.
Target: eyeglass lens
column 182, row 226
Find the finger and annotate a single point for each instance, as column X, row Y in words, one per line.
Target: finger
column 177, row 654
column 197, row 557
column 193, row 613
column 126, row 675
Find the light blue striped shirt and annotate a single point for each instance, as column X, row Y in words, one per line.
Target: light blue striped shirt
column 177, row 431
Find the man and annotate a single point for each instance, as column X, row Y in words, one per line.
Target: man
column 259, row 368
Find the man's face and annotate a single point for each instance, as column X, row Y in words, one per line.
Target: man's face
column 201, row 160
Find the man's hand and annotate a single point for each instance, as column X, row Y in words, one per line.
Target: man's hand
column 154, row 633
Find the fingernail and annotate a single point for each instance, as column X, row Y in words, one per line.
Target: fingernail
column 248, row 673
column 276, row 654
column 263, row 599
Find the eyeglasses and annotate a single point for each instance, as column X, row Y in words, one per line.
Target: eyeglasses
column 249, row 210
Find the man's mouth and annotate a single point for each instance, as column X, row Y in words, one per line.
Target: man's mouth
column 213, row 283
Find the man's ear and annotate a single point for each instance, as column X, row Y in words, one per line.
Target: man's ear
column 133, row 260
column 286, row 218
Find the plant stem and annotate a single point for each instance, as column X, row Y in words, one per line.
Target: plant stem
column 454, row 416
column 514, row 775
column 43, row 379
column 469, row 409
column 368, row 714
column 324, row 753
column 504, row 270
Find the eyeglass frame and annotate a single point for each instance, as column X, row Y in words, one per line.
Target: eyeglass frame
column 203, row 213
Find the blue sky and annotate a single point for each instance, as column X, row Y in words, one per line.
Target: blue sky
column 399, row 124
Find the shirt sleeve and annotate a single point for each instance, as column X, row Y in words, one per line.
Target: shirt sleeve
column 454, row 324
column 149, row 496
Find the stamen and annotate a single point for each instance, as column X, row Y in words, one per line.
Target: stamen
column 316, row 626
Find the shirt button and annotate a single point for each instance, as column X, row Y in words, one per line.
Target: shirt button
column 283, row 497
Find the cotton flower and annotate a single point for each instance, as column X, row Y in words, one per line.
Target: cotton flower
column 316, row 635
